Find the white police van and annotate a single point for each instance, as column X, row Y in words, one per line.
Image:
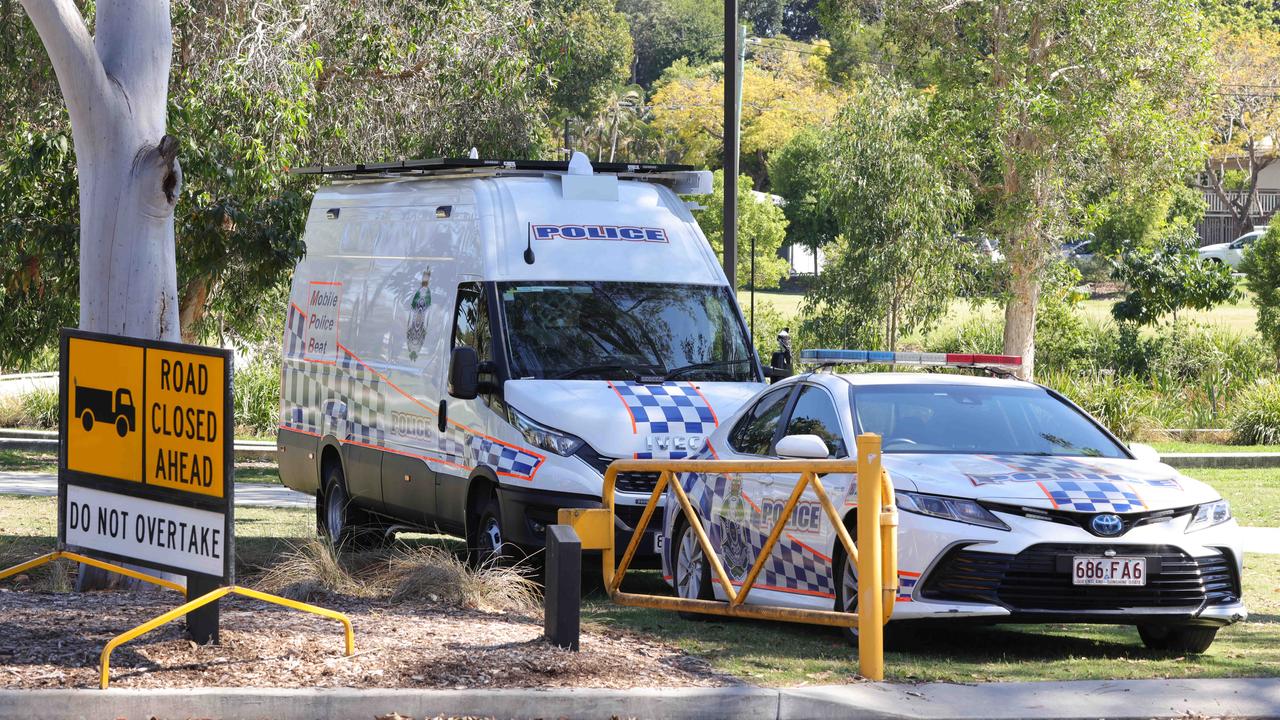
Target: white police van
column 1016, row 505
column 470, row 343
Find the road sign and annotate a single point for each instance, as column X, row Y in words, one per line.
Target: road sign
column 145, row 472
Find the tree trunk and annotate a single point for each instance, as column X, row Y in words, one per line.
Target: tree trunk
column 1020, row 316
column 116, row 86
column 193, row 307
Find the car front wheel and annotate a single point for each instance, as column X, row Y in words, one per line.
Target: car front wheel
column 1193, row 639
column 846, row 588
column 692, row 571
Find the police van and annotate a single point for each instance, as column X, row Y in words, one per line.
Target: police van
column 470, row 343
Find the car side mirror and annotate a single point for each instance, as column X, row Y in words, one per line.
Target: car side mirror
column 464, row 373
column 776, row 373
column 803, row 446
column 1144, row 452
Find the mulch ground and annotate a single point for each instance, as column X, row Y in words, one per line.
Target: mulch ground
column 52, row 640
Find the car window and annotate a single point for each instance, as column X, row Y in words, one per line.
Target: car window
column 815, row 414
column 939, row 418
column 753, row 435
column 471, row 322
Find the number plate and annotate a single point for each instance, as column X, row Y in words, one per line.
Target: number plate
column 657, row 542
column 1086, row 570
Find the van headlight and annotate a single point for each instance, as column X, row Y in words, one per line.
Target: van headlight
column 948, row 508
column 1209, row 514
column 541, row 436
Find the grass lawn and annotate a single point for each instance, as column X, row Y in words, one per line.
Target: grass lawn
column 28, row 461
column 1254, row 494
column 1177, row 446
column 1239, row 316
column 784, row 654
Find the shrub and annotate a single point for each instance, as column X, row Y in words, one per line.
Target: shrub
column 1120, row 402
column 1261, row 266
column 1257, row 417
column 35, row 409
column 976, row 335
column 257, row 395
column 1169, row 278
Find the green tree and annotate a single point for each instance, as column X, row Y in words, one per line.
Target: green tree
column 256, row 89
column 1054, row 103
column 893, row 268
column 664, row 31
column 759, row 221
column 1169, row 278
column 1261, row 266
column 589, row 52
column 796, row 173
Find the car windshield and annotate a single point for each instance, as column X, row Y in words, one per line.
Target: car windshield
column 622, row 331
column 978, row 420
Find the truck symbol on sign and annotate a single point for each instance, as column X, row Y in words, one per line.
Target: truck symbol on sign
column 98, row 405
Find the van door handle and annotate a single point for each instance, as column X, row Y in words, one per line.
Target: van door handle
column 443, row 416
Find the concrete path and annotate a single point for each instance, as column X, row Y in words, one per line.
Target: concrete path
column 1117, row 700
column 15, row 482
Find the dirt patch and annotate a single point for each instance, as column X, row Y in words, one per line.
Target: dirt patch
column 54, row 641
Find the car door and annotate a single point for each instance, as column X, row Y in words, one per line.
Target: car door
column 800, row 562
column 732, row 510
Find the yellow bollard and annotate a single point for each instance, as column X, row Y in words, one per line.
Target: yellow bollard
column 870, row 599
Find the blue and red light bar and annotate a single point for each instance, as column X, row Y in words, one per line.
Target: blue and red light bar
column 919, row 359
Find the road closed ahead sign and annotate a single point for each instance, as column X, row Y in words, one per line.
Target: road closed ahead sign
column 145, row 474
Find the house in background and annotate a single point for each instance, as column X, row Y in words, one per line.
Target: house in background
column 1218, row 224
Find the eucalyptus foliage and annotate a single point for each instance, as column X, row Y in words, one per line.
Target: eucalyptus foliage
column 892, row 270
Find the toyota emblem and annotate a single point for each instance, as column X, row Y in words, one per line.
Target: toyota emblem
column 1107, row 524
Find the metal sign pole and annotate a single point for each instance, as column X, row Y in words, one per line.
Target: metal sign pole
column 730, row 223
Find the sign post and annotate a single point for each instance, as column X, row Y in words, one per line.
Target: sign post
column 145, row 475
column 145, row 472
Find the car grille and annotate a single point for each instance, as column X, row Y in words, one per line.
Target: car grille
column 630, row 516
column 637, row 482
column 1037, row 579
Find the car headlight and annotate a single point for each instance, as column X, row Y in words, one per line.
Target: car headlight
column 949, row 508
column 541, row 436
column 1209, row 514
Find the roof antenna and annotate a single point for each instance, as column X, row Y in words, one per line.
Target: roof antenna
column 528, row 251
column 474, row 154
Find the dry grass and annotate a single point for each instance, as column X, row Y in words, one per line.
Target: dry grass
column 312, row 569
column 435, row 574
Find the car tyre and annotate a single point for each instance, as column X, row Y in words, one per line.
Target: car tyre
column 846, row 577
column 122, row 427
column 87, row 420
column 1193, row 639
column 690, row 571
column 487, row 545
column 344, row 525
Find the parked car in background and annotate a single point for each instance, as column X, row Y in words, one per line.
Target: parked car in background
column 1233, row 252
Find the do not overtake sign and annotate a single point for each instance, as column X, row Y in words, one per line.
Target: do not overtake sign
column 145, row 475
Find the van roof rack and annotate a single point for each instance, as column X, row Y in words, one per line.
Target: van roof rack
column 682, row 179
column 453, row 166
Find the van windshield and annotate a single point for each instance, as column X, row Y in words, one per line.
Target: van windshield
column 623, row 331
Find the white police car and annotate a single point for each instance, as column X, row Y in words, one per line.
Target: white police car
column 1016, row 506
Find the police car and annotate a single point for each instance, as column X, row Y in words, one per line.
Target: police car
column 1015, row 505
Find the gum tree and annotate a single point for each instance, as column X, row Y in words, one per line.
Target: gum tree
column 115, row 84
column 1054, row 104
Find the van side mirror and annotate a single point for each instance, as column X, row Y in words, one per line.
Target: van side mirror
column 803, row 446
column 464, row 373
column 776, row 373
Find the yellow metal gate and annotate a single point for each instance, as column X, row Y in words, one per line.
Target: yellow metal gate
column 877, row 522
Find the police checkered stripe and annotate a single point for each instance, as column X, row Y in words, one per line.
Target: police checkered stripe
column 1084, row 496
column 671, row 407
column 790, row 566
column 361, row 389
column 293, row 332
column 673, row 455
column 301, row 398
column 452, row 443
column 906, row 585
column 502, row 458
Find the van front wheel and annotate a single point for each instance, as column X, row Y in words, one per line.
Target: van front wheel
column 488, row 544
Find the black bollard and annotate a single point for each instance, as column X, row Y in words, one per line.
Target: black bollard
column 563, row 593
